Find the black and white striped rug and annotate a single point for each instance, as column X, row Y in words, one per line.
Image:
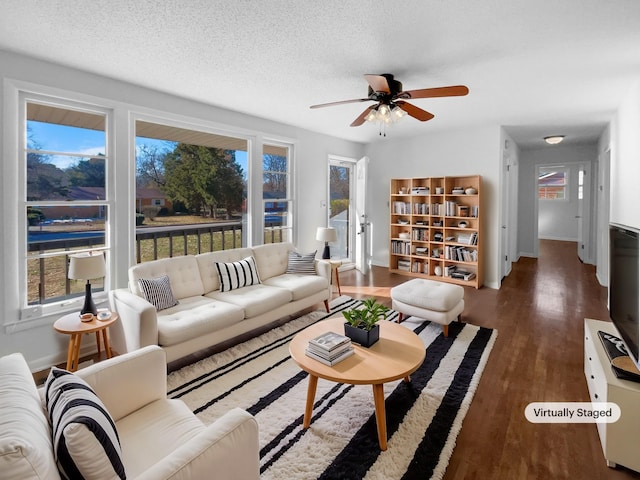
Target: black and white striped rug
column 423, row 417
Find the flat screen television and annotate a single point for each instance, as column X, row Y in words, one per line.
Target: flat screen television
column 624, row 293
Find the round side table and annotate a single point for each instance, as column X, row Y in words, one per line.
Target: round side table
column 72, row 325
column 335, row 265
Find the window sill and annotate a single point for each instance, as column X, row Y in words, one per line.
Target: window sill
column 41, row 315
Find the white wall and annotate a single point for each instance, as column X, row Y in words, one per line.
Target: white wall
column 527, row 187
column 625, row 161
column 39, row 343
column 469, row 152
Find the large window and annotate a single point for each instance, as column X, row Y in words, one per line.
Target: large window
column 276, row 196
column 64, row 202
column 191, row 191
column 552, row 183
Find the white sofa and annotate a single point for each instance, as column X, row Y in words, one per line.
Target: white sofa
column 205, row 316
column 160, row 438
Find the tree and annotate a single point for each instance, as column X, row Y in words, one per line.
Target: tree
column 45, row 181
column 88, row 173
column 204, row 178
column 150, row 169
column 339, row 187
column 274, row 173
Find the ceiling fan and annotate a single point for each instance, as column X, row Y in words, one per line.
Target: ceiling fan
column 390, row 98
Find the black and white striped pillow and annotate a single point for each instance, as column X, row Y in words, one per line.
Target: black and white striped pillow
column 240, row 274
column 302, row 263
column 85, row 440
column 157, row 291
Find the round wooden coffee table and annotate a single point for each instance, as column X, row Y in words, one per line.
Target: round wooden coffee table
column 72, row 325
column 397, row 354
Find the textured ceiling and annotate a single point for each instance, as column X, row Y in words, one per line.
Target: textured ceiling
column 536, row 67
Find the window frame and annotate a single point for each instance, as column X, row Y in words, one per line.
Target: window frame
column 289, row 197
column 74, row 300
column 120, row 180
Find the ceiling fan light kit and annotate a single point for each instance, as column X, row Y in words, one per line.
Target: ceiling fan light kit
column 391, row 107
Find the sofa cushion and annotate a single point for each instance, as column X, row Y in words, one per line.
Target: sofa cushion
column 239, row 274
column 256, row 299
column 144, row 434
column 300, row 285
column 26, row 450
column 272, row 259
column 85, row 441
column 195, row 316
column 302, row 263
column 182, row 271
column 207, row 265
column 157, row 291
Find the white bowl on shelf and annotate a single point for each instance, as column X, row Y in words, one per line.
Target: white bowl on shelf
column 403, row 236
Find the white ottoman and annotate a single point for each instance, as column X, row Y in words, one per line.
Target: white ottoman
column 434, row 301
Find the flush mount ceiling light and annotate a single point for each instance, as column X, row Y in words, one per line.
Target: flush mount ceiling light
column 554, row 139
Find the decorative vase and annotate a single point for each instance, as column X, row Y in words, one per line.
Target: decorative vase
column 471, row 191
column 362, row 337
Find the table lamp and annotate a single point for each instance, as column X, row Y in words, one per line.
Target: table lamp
column 326, row 235
column 87, row 266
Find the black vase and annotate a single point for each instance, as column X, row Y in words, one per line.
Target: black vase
column 362, row 337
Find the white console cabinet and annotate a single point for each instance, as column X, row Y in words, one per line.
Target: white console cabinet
column 620, row 440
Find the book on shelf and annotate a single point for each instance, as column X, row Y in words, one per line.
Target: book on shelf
column 330, row 362
column 463, row 275
column 404, row 265
column 401, row 208
column 329, row 341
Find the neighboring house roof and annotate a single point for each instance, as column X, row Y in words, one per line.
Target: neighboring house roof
column 97, row 193
column 86, row 193
column 149, row 193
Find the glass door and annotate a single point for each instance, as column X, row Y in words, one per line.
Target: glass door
column 341, row 202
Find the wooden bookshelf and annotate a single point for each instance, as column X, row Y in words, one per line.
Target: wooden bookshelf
column 435, row 228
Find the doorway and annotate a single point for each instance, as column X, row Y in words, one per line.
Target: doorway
column 563, row 206
column 347, row 211
column 341, row 201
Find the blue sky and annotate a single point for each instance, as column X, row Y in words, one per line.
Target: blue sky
column 60, row 138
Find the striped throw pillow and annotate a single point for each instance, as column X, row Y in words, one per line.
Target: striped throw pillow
column 85, row 440
column 240, row 274
column 302, row 263
column 157, row 291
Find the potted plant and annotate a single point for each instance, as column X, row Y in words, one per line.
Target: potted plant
column 361, row 325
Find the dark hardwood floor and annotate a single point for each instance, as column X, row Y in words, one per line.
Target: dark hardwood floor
column 538, row 356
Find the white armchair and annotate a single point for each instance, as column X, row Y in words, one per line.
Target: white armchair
column 160, row 437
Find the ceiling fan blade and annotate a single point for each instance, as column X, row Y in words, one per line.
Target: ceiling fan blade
column 453, row 91
column 361, row 118
column 415, row 112
column 378, row 83
column 342, row 102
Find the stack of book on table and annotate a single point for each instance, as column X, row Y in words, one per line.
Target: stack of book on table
column 329, row 348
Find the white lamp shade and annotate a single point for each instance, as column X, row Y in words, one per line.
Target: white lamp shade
column 86, row 266
column 326, row 234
